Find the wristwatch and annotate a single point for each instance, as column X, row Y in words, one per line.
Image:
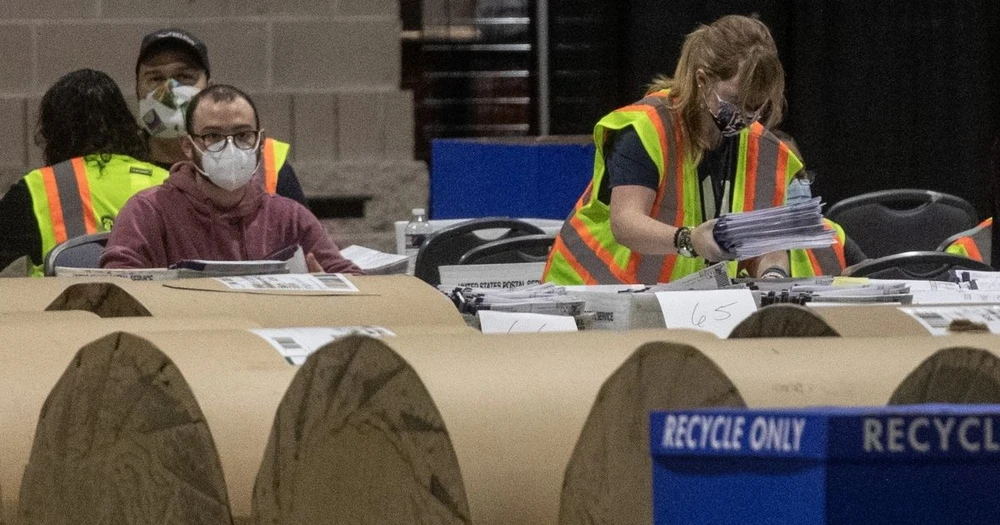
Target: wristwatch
column 682, row 241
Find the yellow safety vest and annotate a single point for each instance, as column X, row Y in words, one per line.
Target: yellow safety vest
column 820, row 261
column 977, row 245
column 585, row 251
column 83, row 195
column 275, row 154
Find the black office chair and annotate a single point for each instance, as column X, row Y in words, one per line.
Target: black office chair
column 448, row 245
column 79, row 252
column 525, row 248
column 927, row 266
column 902, row 220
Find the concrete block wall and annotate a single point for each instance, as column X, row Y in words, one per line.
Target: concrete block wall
column 324, row 74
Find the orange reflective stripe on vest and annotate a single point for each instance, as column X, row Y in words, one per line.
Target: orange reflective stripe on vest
column 68, row 193
column 270, row 169
column 971, row 250
column 55, row 206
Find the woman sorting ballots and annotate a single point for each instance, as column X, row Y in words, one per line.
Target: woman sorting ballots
column 668, row 165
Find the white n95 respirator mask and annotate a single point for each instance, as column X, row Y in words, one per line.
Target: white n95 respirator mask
column 230, row 168
column 161, row 112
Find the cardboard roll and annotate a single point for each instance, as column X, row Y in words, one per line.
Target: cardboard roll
column 33, row 354
column 389, row 301
column 789, row 320
column 35, row 318
column 34, row 294
column 415, row 428
column 608, row 477
column 953, row 375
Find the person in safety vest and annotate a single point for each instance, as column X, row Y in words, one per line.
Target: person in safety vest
column 976, row 243
column 172, row 67
column 668, row 165
column 94, row 154
column 214, row 205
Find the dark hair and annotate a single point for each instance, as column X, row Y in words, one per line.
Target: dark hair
column 84, row 113
column 218, row 93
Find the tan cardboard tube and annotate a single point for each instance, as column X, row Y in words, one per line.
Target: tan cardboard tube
column 395, row 300
column 236, row 376
column 32, row 358
column 513, row 406
column 783, row 320
column 121, row 440
column 869, row 321
column 789, row 320
column 35, row 318
column 613, row 459
column 33, row 294
column 952, row 375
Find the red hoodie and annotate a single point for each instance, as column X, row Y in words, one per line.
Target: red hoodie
column 162, row 225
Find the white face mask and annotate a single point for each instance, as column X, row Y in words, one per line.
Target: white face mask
column 798, row 191
column 230, row 169
column 161, row 112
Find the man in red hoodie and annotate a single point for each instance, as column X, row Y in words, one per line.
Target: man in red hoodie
column 214, row 205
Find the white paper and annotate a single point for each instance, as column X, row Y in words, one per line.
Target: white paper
column 297, row 262
column 368, row 259
column 296, row 344
column 956, row 297
column 937, row 319
column 715, row 311
column 757, row 232
column 919, row 286
column 290, row 282
column 509, row 275
column 136, row 274
column 714, row 277
column 493, row 322
column 968, row 275
column 982, row 285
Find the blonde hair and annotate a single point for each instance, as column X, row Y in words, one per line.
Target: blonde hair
column 733, row 46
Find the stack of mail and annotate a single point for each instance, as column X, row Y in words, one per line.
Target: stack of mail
column 537, row 298
column 753, row 233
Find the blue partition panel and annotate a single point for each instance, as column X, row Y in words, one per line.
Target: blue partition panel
column 509, row 177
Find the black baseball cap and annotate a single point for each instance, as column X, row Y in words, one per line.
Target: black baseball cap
column 177, row 37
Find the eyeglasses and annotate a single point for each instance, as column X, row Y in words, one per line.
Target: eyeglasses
column 216, row 142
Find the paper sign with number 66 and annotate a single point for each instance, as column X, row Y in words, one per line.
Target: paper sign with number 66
column 716, row 311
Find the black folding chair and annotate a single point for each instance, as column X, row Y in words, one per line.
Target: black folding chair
column 448, row 245
column 525, row 248
column 902, row 220
column 921, row 265
column 79, row 252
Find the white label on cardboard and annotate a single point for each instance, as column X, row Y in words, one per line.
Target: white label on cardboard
column 491, row 275
column 296, row 344
column 938, row 319
column 291, row 282
column 493, row 322
column 715, row 311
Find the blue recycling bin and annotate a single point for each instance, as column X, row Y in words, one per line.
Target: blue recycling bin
column 920, row 464
column 539, row 177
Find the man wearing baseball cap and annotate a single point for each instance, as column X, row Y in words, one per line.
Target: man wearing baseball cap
column 173, row 67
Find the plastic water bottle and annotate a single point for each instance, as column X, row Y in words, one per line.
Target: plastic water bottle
column 413, row 236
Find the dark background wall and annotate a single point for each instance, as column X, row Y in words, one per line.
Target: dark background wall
column 885, row 94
